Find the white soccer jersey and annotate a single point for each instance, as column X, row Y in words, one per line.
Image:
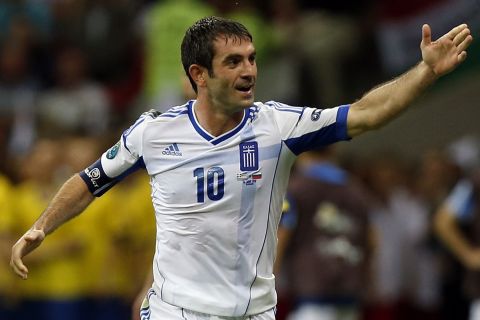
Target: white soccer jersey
column 218, row 200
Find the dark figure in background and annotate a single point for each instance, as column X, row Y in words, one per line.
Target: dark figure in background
column 457, row 223
column 328, row 265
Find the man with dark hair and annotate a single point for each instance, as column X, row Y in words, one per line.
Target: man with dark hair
column 219, row 168
column 194, row 50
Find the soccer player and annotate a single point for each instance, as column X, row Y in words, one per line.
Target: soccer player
column 219, row 167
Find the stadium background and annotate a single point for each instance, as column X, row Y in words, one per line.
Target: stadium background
column 75, row 73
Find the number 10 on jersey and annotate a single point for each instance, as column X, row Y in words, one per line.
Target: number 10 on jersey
column 215, row 183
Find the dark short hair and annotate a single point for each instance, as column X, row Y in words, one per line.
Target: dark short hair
column 197, row 44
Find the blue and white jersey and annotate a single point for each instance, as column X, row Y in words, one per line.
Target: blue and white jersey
column 218, row 200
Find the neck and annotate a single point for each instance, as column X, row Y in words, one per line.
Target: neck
column 215, row 120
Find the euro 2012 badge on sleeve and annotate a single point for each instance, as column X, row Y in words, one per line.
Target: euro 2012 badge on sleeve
column 112, row 152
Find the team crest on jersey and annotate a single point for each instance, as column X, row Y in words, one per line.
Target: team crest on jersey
column 249, row 156
column 112, row 152
column 249, row 163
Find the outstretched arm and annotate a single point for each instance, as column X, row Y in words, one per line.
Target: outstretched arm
column 72, row 198
column 387, row 101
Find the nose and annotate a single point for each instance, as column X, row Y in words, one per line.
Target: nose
column 249, row 70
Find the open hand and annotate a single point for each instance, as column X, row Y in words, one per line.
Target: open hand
column 446, row 53
column 27, row 243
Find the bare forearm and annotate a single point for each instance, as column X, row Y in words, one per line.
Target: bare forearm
column 392, row 98
column 72, row 198
column 389, row 100
column 447, row 230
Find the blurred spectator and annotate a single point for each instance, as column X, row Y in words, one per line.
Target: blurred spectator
column 435, row 177
column 80, row 151
column 76, row 104
column 401, row 223
column 7, row 294
column 29, row 23
column 112, row 22
column 104, row 235
column 437, row 174
column 164, row 21
column 117, row 236
column 124, row 240
column 330, row 233
column 57, row 290
column 91, row 25
column 29, row 18
column 18, row 92
column 68, row 20
column 322, row 36
column 457, row 220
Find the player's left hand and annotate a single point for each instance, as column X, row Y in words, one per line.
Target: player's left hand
column 446, row 53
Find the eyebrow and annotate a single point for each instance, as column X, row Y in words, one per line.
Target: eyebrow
column 237, row 56
column 233, row 56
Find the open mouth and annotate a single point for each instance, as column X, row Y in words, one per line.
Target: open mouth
column 245, row 88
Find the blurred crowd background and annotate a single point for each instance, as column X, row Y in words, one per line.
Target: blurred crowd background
column 75, row 73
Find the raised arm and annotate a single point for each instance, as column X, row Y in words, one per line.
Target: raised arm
column 387, row 101
column 72, row 198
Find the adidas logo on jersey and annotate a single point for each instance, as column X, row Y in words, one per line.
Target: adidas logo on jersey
column 172, row 150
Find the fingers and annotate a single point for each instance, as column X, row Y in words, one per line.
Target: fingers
column 426, row 34
column 465, row 43
column 19, row 268
column 455, row 31
column 462, row 56
column 460, row 37
column 16, row 261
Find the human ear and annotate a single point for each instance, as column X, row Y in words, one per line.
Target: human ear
column 197, row 73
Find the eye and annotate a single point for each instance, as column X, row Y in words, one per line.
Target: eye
column 233, row 62
column 252, row 58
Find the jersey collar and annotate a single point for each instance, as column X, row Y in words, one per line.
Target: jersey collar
column 207, row 136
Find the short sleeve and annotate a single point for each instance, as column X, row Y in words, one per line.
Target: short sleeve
column 119, row 161
column 126, row 152
column 305, row 129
